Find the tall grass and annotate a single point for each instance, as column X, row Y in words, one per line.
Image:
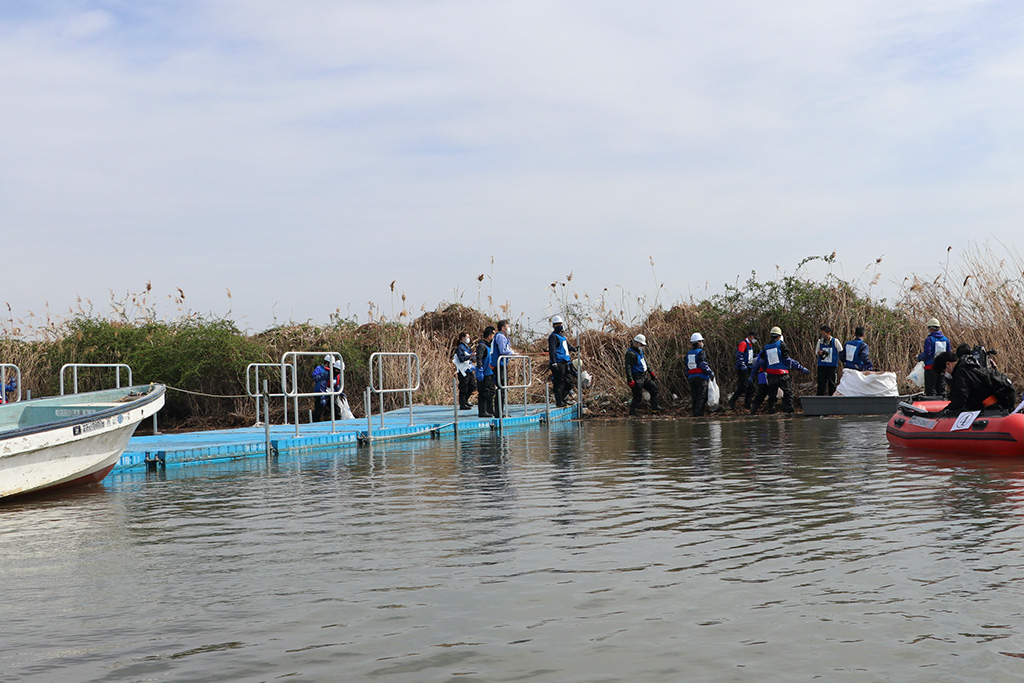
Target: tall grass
column 978, row 298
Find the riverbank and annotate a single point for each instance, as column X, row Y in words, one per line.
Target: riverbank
column 203, row 359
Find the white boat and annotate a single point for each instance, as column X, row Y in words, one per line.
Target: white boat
column 69, row 440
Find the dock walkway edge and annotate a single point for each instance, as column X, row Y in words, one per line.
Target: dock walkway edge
column 190, row 448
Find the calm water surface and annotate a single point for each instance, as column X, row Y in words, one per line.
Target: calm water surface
column 768, row 550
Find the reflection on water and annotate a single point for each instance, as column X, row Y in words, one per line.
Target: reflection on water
column 761, row 549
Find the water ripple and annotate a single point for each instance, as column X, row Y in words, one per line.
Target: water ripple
column 745, row 550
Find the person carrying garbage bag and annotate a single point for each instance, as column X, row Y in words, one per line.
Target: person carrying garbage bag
column 698, row 374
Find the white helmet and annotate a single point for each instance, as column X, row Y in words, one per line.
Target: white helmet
column 328, row 358
column 696, row 337
column 934, row 322
column 338, row 365
column 640, row 339
column 557, row 320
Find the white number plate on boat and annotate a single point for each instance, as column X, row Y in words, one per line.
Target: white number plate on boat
column 919, row 421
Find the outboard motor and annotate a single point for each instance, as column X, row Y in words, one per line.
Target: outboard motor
column 985, row 356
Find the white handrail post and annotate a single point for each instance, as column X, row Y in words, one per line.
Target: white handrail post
column 579, row 390
column 455, row 394
column 368, row 404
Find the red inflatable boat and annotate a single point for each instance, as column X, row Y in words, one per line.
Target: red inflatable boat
column 990, row 433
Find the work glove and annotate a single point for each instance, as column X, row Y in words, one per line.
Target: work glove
column 631, row 384
column 712, row 376
column 653, row 376
column 806, row 371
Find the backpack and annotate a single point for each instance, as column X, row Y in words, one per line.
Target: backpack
column 1002, row 389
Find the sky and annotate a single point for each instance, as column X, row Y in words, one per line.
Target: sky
column 284, row 161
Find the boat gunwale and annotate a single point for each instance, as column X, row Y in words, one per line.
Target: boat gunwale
column 953, row 437
column 155, row 391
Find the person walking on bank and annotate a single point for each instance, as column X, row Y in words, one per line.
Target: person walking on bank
column 699, row 373
column 745, row 355
column 777, row 361
column 759, row 377
column 559, row 361
column 639, row 376
column 465, row 369
column 934, row 344
column 827, row 350
column 857, row 356
column 485, row 374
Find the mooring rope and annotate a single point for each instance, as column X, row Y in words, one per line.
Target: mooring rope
column 199, row 393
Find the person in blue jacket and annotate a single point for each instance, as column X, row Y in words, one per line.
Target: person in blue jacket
column 698, row 373
column 485, row 374
column 9, row 388
column 639, row 376
column 827, row 350
column 759, row 377
column 777, row 364
column 934, row 344
column 321, row 380
column 464, row 359
column 500, row 348
column 856, row 355
column 559, row 361
column 745, row 356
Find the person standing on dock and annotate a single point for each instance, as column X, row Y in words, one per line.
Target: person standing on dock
column 10, row 388
column 699, row 373
column 501, row 348
column 827, row 350
column 560, row 362
column 321, row 383
column 639, row 376
column 485, row 374
column 745, row 355
column 857, row 356
column 464, row 367
column 934, row 344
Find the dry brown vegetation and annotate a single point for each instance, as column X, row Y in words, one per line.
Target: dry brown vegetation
column 978, row 298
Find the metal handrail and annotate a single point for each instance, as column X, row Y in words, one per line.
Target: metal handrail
column 295, row 395
column 252, row 374
column 3, row 380
column 377, row 363
column 113, row 366
column 75, row 366
column 501, row 380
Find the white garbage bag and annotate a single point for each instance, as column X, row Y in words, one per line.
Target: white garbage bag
column 856, row 383
column 714, row 395
column 344, row 410
column 916, row 376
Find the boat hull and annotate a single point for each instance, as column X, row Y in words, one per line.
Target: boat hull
column 850, row 405
column 989, row 435
column 80, row 445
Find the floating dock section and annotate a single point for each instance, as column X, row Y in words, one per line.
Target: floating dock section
column 231, row 444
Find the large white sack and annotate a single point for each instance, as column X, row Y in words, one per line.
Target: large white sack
column 856, row 383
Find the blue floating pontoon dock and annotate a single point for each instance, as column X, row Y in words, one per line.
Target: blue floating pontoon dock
column 230, row 444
